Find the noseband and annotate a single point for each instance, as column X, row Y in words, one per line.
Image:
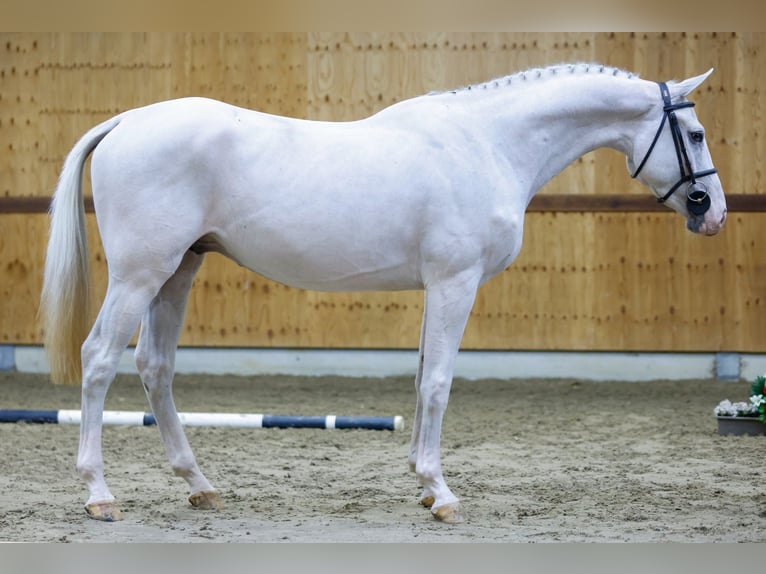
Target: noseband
column 697, row 198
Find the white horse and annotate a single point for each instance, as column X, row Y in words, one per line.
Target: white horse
column 429, row 193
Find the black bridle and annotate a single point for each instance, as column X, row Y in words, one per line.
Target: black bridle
column 697, row 198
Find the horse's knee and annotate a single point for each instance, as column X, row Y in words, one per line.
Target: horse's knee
column 434, row 392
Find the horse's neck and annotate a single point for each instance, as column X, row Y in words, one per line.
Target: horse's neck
column 546, row 126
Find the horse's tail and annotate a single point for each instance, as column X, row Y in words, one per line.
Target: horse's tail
column 65, row 302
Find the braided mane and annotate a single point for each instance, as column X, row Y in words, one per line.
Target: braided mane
column 544, row 73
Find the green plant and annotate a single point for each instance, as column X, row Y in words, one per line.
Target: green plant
column 758, row 397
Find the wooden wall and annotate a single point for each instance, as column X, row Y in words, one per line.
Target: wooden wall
column 606, row 280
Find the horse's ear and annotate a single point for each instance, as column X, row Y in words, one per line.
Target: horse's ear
column 683, row 89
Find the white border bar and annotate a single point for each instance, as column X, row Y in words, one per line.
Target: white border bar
column 597, row 366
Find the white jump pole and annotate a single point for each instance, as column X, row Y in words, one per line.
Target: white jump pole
column 239, row 420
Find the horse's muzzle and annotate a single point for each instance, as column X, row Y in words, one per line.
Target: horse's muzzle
column 707, row 224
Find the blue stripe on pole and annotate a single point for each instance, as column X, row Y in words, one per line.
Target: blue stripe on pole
column 373, row 423
column 297, row 422
column 18, row 415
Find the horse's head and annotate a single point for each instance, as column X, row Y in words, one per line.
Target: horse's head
column 670, row 155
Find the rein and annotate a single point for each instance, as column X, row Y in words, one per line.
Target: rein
column 697, row 198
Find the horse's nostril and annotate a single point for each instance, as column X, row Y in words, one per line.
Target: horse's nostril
column 723, row 217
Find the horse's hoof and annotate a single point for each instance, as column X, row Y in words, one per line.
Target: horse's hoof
column 105, row 511
column 449, row 513
column 427, row 501
column 206, row 500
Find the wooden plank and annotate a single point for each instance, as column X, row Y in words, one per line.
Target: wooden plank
column 541, row 203
column 17, row 205
column 629, row 203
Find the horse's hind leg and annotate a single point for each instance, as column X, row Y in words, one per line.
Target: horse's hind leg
column 155, row 358
column 125, row 302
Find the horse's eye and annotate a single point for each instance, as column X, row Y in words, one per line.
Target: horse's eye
column 698, row 137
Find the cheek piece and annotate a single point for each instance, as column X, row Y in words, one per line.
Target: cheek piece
column 697, row 198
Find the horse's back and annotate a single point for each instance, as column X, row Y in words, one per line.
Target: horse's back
column 320, row 205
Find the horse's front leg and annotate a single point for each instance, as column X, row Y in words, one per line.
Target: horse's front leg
column 448, row 305
column 418, row 417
